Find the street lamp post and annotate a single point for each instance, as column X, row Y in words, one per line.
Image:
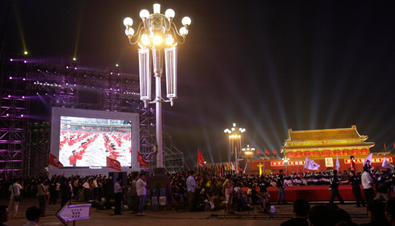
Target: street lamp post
column 248, row 154
column 157, row 33
column 286, row 160
column 235, row 142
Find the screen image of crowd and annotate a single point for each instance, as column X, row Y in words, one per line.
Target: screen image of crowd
column 210, row 193
column 86, row 142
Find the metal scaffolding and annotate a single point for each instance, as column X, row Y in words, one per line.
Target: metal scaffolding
column 23, row 144
column 13, row 122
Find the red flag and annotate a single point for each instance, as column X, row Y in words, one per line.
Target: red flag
column 54, row 161
column 266, row 152
column 258, row 152
column 274, row 151
column 141, row 160
column 114, row 164
column 201, row 159
column 239, row 169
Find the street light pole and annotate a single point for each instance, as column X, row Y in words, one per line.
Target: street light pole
column 235, row 142
column 285, row 161
column 248, row 154
column 157, row 33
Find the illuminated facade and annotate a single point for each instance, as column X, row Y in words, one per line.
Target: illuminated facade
column 319, row 144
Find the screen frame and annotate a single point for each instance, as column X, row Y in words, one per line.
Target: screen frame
column 56, row 114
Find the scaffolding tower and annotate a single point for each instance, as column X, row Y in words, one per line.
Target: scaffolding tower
column 14, row 107
column 69, row 86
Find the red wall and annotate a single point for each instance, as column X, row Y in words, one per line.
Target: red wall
column 269, row 165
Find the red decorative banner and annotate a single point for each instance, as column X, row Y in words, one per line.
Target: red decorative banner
column 374, row 160
column 290, row 163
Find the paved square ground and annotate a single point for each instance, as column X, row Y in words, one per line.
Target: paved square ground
column 172, row 217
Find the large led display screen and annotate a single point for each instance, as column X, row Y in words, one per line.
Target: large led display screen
column 83, row 139
column 87, row 142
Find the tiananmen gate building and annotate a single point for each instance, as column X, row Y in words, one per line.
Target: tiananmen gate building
column 322, row 146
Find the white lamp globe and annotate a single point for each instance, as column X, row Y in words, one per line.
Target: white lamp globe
column 144, row 14
column 183, row 31
column 186, row 21
column 128, row 21
column 170, row 13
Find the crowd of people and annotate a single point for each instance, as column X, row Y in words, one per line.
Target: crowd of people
column 199, row 192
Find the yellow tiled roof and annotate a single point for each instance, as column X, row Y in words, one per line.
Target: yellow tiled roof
column 325, row 134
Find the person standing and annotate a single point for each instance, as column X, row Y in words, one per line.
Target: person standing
column 118, row 196
column 352, row 164
column 42, row 197
column 356, row 188
column 335, row 189
column 73, row 158
column 65, row 192
column 52, row 192
column 141, row 192
column 367, row 184
column 228, row 191
column 280, row 186
column 14, row 190
column 135, row 198
column 382, row 188
column 191, row 189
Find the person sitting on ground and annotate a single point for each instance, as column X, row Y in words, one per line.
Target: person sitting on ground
column 33, row 216
column 3, row 215
column 390, row 211
column 300, row 210
column 240, row 197
column 376, row 212
column 257, row 199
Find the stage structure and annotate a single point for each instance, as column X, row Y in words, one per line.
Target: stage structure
column 44, row 85
column 14, row 107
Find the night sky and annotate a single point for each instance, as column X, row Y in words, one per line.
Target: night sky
column 266, row 65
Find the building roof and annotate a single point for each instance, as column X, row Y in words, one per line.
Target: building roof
column 366, row 145
column 325, row 134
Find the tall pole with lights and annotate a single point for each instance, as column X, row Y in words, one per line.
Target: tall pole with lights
column 235, row 142
column 157, row 33
column 285, row 161
column 248, row 154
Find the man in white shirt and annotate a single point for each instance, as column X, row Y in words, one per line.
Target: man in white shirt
column 367, row 184
column 141, row 192
column 191, row 188
column 15, row 190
